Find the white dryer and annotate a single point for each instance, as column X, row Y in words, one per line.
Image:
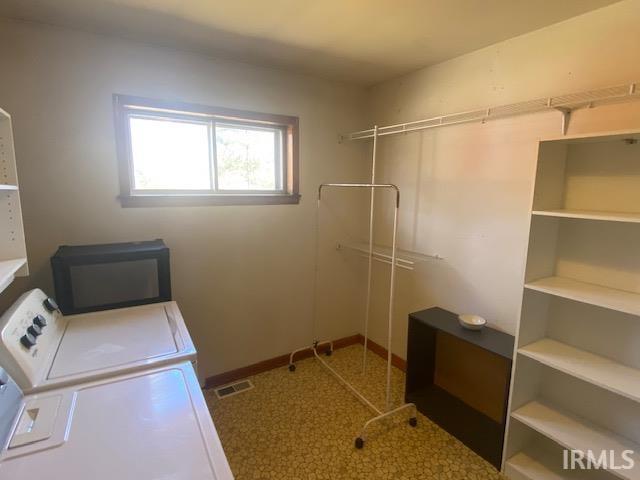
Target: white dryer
column 147, row 425
column 42, row 349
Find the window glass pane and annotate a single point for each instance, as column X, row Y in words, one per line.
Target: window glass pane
column 169, row 154
column 248, row 158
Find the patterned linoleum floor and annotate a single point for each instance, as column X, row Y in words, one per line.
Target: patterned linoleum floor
column 302, row 425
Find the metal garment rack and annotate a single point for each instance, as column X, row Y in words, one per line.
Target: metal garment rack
column 388, row 411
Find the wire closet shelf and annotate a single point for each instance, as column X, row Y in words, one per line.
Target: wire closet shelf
column 562, row 103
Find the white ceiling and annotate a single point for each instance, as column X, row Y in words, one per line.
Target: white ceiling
column 361, row 41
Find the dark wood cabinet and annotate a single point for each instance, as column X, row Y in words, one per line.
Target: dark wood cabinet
column 460, row 379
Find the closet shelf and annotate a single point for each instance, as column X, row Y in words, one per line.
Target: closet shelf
column 606, row 297
column 591, row 215
column 404, row 259
column 576, row 433
column 8, row 268
column 4, row 186
column 600, row 371
column 524, row 466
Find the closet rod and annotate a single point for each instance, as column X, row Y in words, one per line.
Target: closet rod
column 562, row 103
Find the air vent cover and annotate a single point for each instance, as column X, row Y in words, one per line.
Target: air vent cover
column 234, row 388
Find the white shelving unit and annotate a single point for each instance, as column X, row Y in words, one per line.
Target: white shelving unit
column 405, row 259
column 13, row 252
column 576, row 378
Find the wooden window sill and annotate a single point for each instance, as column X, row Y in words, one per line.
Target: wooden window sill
column 211, row 199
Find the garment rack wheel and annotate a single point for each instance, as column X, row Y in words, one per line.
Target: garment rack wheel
column 413, row 421
column 359, row 443
column 292, row 367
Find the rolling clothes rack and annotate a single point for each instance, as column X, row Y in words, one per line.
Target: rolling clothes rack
column 388, row 410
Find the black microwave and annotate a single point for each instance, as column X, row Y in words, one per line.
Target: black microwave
column 88, row 278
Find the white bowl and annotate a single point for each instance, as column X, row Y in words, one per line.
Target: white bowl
column 471, row 322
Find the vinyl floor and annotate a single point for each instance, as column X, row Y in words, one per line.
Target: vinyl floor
column 302, row 425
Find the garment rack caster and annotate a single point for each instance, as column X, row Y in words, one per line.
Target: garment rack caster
column 413, row 421
column 328, row 352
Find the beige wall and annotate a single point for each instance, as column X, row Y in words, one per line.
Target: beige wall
column 466, row 189
column 241, row 274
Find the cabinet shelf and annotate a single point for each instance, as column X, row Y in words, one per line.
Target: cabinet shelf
column 611, row 298
column 8, row 269
column 404, row 259
column 575, row 433
column 591, row 215
column 597, row 370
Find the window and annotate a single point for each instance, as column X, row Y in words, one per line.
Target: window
column 184, row 154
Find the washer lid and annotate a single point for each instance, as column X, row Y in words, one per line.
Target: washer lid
column 139, row 427
column 113, row 338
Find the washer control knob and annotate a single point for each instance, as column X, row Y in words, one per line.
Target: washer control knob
column 40, row 321
column 50, row 304
column 28, row 340
column 34, row 330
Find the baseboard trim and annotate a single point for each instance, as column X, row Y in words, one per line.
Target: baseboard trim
column 398, row 362
column 276, row 362
column 283, row 360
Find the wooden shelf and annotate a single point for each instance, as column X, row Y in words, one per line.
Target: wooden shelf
column 591, row 215
column 575, row 433
column 619, row 300
column 600, row 371
column 8, row 268
column 404, row 258
column 8, row 187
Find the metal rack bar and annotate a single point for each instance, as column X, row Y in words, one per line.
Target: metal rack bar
column 370, row 253
column 562, row 103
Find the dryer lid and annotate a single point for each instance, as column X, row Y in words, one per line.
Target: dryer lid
column 151, row 425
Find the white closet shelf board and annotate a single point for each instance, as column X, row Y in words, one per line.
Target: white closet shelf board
column 595, row 137
column 575, row 433
column 537, row 462
column 599, row 371
column 8, row 269
column 591, row 215
column 4, row 186
column 523, row 466
column 619, row 300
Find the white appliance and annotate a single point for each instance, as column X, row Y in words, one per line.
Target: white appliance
column 147, row 425
column 41, row 349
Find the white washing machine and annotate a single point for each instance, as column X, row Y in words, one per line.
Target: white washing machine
column 147, row 425
column 42, row 349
